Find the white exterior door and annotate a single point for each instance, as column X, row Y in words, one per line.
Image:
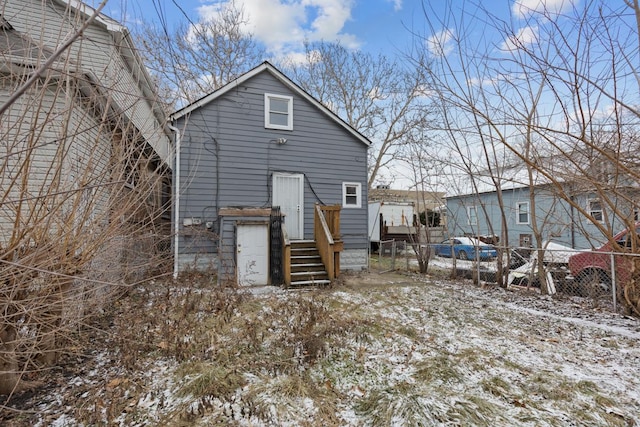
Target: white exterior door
column 288, row 193
column 252, row 248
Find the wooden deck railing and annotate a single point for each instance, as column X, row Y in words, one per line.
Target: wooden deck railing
column 326, row 233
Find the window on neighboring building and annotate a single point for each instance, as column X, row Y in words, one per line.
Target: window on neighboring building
column 351, row 195
column 595, row 209
column 472, row 215
column 278, row 112
column 523, row 212
column 636, row 214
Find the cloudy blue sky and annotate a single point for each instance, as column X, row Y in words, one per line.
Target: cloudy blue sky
column 375, row 26
column 372, row 25
column 283, row 25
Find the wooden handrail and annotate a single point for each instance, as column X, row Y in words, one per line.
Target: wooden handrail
column 324, row 242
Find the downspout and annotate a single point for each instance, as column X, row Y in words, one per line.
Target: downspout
column 176, row 202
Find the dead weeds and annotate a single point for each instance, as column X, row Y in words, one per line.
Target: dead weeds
column 373, row 350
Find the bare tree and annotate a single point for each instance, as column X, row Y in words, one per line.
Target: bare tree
column 559, row 81
column 80, row 185
column 468, row 148
column 199, row 57
column 420, row 163
column 383, row 99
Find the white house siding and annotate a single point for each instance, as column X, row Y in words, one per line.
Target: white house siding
column 74, row 146
column 70, row 156
column 97, row 52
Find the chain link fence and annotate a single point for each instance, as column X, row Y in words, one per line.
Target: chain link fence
column 391, row 256
column 606, row 278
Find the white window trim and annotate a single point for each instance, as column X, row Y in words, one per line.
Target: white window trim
column 358, row 195
column 519, row 211
column 267, row 111
column 469, row 217
column 591, row 211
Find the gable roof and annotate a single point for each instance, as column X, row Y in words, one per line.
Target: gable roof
column 579, row 167
column 109, row 23
column 482, row 182
column 128, row 53
column 267, row 67
column 18, row 47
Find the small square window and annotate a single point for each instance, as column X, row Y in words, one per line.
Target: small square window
column 278, row 112
column 523, row 213
column 351, row 195
column 472, row 215
column 595, row 210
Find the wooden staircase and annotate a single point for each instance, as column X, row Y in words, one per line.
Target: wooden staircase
column 307, row 268
column 317, row 261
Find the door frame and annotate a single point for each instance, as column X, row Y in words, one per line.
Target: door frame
column 300, row 211
column 262, row 276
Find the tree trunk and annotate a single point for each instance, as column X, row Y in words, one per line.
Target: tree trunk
column 9, row 377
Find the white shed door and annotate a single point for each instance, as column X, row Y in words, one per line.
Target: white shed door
column 288, row 193
column 252, row 248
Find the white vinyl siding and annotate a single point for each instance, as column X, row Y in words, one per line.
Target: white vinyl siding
column 99, row 52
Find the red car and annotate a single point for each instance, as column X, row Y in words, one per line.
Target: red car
column 592, row 269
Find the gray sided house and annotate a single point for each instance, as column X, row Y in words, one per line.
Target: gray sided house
column 480, row 213
column 257, row 143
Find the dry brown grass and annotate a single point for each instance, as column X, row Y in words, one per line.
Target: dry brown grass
column 386, row 354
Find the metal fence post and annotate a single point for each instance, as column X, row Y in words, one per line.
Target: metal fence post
column 393, row 255
column 614, row 285
column 406, row 257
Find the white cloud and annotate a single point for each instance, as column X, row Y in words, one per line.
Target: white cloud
column 423, row 91
column 284, row 25
column 524, row 8
column 397, row 5
column 297, row 58
column 293, row 59
column 525, row 37
column 375, row 94
column 441, row 44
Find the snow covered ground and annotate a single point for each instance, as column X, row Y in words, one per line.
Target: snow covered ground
column 379, row 350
